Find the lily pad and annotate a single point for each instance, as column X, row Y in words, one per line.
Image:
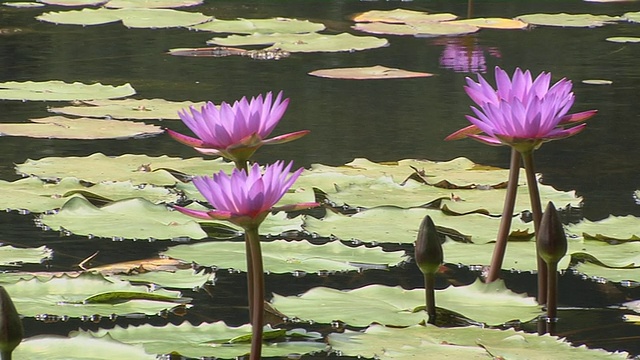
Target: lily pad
column 88, row 295
column 23, row 4
column 401, row 16
column 598, row 81
column 632, row 16
column 612, row 229
column 473, row 343
column 138, row 169
column 492, row 303
column 11, row 256
column 493, row 23
column 74, row 2
column 416, row 28
column 60, row 91
column 207, row 340
column 262, row 26
column 140, row 109
column 311, row 42
column 60, row 127
column 394, row 225
column 53, row 347
column 151, row 4
column 130, row 17
column 282, row 256
column 568, row 20
column 624, row 39
column 611, row 274
column 371, row 72
column 178, row 279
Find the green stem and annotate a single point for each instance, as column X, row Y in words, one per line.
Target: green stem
column 536, row 209
column 552, row 296
column 257, row 299
column 430, row 296
column 5, row 355
column 505, row 221
column 242, row 165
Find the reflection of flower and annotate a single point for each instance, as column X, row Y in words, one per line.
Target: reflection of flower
column 235, row 131
column 245, row 198
column 522, row 112
column 465, row 56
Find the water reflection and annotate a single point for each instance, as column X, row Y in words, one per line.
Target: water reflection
column 464, row 55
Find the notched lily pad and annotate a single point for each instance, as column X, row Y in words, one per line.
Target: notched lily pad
column 59, row 127
column 55, row 90
column 568, row 20
column 262, row 26
column 417, row 28
column 364, row 73
column 130, row 17
column 311, row 42
column 140, row 109
column 15, row 257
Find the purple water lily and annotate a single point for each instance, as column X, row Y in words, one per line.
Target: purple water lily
column 245, row 198
column 235, row 131
column 521, row 112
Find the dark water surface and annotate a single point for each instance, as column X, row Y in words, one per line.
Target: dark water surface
column 380, row 120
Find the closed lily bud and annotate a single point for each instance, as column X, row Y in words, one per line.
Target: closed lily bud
column 11, row 332
column 552, row 241
column 428, row 249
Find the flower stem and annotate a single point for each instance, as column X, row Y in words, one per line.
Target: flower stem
column 536, row 209
column 552, row 296
column 5, row 355
column 505, row 221
column 430, row 296
column 242, row 165
column 257, row 293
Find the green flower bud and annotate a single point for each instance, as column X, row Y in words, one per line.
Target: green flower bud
column 551, row 240
column 428, row 249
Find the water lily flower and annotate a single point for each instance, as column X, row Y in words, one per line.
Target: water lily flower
column 521, row 112
column 245, row 198
column 235, row 131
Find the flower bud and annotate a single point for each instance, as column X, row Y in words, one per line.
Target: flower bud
column 428, row 249
column 11, row 332
column 551, row 240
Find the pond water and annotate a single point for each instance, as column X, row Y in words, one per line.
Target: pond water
column 382, row 120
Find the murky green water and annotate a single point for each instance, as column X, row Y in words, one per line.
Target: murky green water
column 380, row 120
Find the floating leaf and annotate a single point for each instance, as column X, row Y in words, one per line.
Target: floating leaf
column 473, row 343
column 141, row 109
column 624, row 39
column 632, row 16
column 611, row 274
column 493, row 23
column 613, row 229
column 74, row 2
column 141, row 266
column 23, row 4
column 151, row 4
column 401, row 16
column 371, row 72
column 597, row 81
column 206, row 340
column 59, row 127
column 311, row 42
column 568, row 20
column 426, row 28
column 221, row 51
column 53, row 347
column 393, row 225
column 65, row 296
column 60, row 91
column 492, row 303
column 11, row 256
column 130, row 17
column 282, row 256
column 179, row 279
column 262, row 26
column 138, row 169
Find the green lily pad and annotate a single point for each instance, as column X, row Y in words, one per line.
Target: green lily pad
column 23, row 4
column 624, row 255
column 493, row 23
column 458, row 343
column 311, row 42
column 74, row 2
column 59, row 127
column 624, row 39
column 140, row 109
column 60, row 91
column 492, row 304
column 87, row 295
column 416, row 28
column 207, row 340
column 611, row 274
column 11, row 256
column 178, row 279
column 261, row 26
column 401, row 16
column 282, row 256
column 568, row 20
column 52, row 347
column 612, row 229
column 597, row 81
column 151, row 4
column 138, row 169
column 632, row 16
column 394, row 225
column 367, row 73
column 130, row 17
column 135, row 218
